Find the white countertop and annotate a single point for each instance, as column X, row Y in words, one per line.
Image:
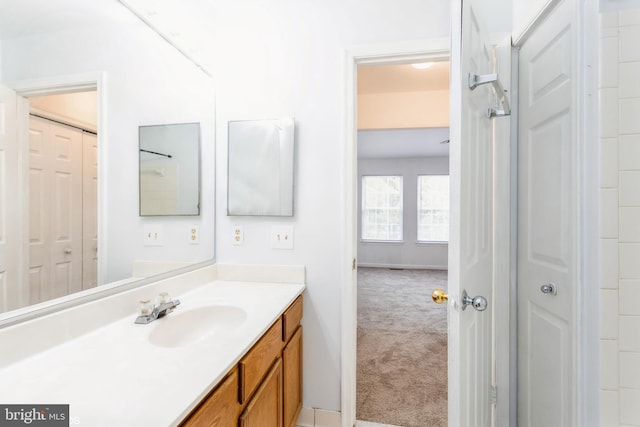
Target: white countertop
column 114, row 376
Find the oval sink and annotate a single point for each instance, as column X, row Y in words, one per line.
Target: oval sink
column 182, row 328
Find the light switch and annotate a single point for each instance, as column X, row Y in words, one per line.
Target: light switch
column 282, row 237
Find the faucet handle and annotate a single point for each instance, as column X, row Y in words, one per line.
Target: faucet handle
column 163, row 298
column 145, row 308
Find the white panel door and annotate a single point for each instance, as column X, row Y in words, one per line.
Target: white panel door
column 89, row 210
column 471, row 256
column 55, row 181
column 548, row 223
column 10, row 294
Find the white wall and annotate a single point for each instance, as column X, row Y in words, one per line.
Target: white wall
column 408, row 253
column 77, row 107
column 147, row 82
column 620, row 213
column 286, row 58
column 403, row 110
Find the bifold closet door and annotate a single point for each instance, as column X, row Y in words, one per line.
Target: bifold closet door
column 55, row 205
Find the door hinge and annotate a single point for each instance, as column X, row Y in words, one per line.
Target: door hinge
column 494, row 395
column 353, row 267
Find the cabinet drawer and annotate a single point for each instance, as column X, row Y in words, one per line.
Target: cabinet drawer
column 220, row 408
column 254, row 366
column 291, row 319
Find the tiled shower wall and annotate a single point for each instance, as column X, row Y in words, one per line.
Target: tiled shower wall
column 620, row 218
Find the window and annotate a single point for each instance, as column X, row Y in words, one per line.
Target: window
column 433, row 208
column 382, row 208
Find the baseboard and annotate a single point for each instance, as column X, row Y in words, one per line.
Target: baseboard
column 312, row 417
column 404, row 266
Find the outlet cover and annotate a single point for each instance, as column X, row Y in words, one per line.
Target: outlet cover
column 237, row 235
column 194, row 234
column 282, row 237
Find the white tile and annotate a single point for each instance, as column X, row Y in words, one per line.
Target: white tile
column 609, row 259
column 629, row 295
column 628, row 152
column 629, row 188
column 327, row 418
column 609, row 67
column 608, row 313
column 609, row 20
column 609, row 161
column 609, row 371
column 609, row 113
column 630, row 370
column 629, row 254
column 629, row 334
column 629, row 406
column 629, row 17
column 628, row 83
column 628, row 114
column 629, row 224
column 306, row 418
column 609, row 412
column 609, row 213
column 629, row 46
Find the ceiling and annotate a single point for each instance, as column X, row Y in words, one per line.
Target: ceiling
column 403, row 143
column 186, row 25
column 403, row 78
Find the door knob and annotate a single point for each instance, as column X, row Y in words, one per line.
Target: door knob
column 67, row 250
column 439, row 296
column 549, row 289
column 479, row 302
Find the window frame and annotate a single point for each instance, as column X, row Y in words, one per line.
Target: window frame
column 363, row 209
column 419, row 210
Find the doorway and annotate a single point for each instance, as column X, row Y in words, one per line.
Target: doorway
column 403, row 227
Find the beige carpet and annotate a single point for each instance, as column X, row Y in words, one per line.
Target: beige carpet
column 402, row 348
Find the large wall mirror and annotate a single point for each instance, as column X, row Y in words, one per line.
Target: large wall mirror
column 136, row 78
column 261, row 167
column 170, row 169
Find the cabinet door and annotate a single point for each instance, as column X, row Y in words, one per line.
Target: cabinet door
column 265, row 409
column 292, row 361
column 220, row 409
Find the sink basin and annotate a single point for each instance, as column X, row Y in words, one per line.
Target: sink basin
column 178, row 329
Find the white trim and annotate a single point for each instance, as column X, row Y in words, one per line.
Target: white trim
column 78, row 83
column 520, row 35
column 588, row 402
column 403, row 52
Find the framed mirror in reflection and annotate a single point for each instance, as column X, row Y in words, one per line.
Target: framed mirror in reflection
column 170, row 169
column 261, row 167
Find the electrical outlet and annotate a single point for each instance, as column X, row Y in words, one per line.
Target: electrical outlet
column 153, row 235
column 282, row 237
column 237, row 235
column 194, row 234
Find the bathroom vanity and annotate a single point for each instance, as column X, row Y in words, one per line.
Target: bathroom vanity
column 229, row 354
column 265, row 388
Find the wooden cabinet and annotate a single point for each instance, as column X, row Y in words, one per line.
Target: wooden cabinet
column 292, row 375
column 265, row 388
column 259, row 359
column 265, row 408
column 220, row 408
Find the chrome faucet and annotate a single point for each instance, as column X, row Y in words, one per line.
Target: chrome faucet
column 159, row 310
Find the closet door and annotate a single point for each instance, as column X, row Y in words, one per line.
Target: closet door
column 55, row 182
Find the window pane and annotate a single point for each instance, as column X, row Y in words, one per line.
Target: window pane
column 382, row 208
column 433, row 208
